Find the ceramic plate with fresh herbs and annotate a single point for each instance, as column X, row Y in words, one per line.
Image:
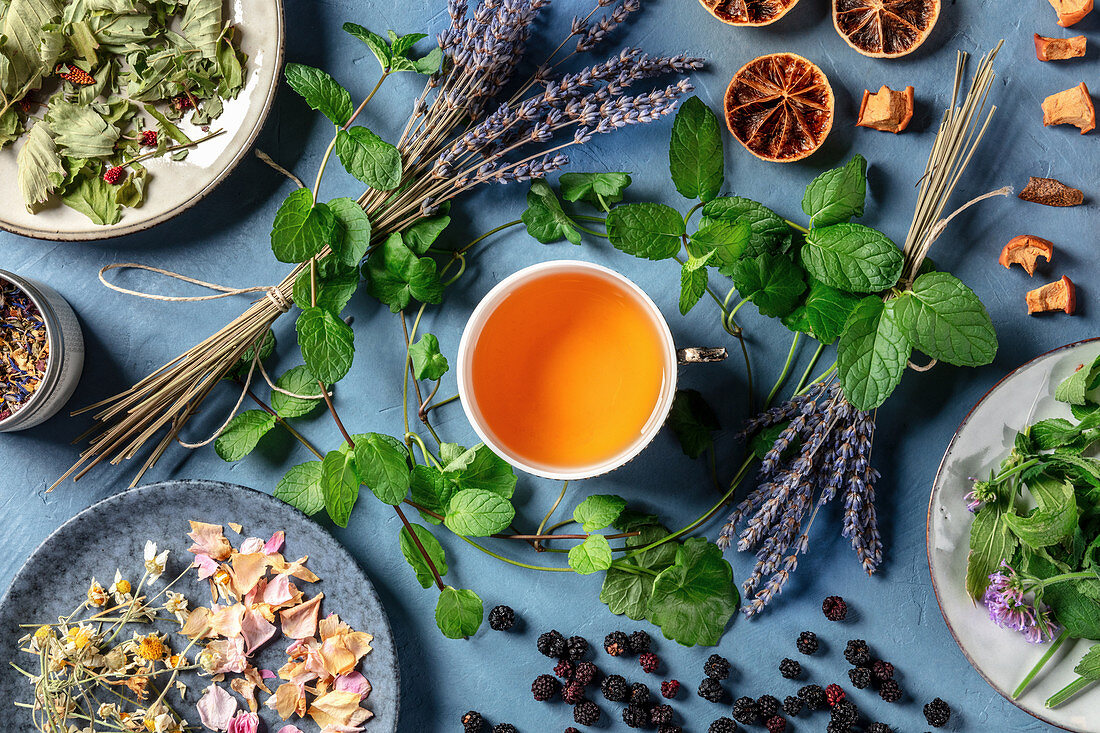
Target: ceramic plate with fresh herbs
column 116, row 115
column 1014, row 534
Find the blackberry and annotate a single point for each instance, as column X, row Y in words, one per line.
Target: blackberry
column 573, row 693
column 834, row 608
column 879, row 728
column 649, row 662
column 722, row 725
column 502, row 618
column 790, row 669
column 813, row 696
column 838, row 728
column 472, row 722
column 616, row 644
column 545, row 687
column 660, row 714
column 776, row 724
column 858, row 653
column 669, row 728
column 670, row 689
column 635, row 716
column 587, row 713
column 767, row 706
column 639, row 694
column 576, row 647
column 564, row 669
column 584, row 673
column 717, row 667
column 571, row 729
column 639, row 642
column 744, row 711
column 614, row 688
column 792, row 705
column 807, row 642
column 504, row 728
column 860, row 677
column 711, row 690
column 844, row 712
column 937, row 713
column 882, row 670
column 834, row 694
column 551, row 644
column 889, row 691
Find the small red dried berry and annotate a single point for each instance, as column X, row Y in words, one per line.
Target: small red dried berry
column 649, row 662
column 564, row 669
column 834, row 608
column 149, row 138
column 776, row 724
column 74, row 75
column 114, row 175
column 834, row 694
column 181, row 102
column 573, row 693
column 670, row 689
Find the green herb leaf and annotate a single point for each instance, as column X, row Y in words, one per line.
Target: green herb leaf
column 632, row 519
column 382, row 467
column 400, row 46
column 339, row 485
column 695, row 152
column 416, row 560
column 95, row 198
column 327, row 344
column 301, row 227
column 423, row 232
column 301, row 488
column 369, row 158
column 772, row 281
column 694, row 599
column 80, row 131
column 728, row 241
column 321, row 92
column 240, row 436
column 836, row 196
column 872, row 354
column 23, row 27
column 1089, row 666
column 1074, row 387
column 693, row 283
column 590, row 556
column 1054, row 520
column 946, row 320
column 299, row 380
column 458, row 613
column 592, row 187
column 202, row 25
column 650, row 231
column 627, row 592
column 478, row 513
column 427, row 361
column 823, row 313
column 353, row 228
column 378, row 45
column 1076, row 612
column 692, row 421
column 544, row 218
column 396, row 275
column 39, row 164
column 769, row 232
column 429, row 63
column 990, row 542
column 333, row 292
column 430, row 490
column 852, row 258
column 598, row 511
column 480, row 468
column 764, row 441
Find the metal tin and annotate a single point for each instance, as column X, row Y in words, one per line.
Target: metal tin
column 66, row 360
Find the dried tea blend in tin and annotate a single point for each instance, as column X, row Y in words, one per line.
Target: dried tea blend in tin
column 24, row 349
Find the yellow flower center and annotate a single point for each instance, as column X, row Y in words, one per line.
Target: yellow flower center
column 123, row 586
column 42, row 633
column 79, row 636
column 151, row 648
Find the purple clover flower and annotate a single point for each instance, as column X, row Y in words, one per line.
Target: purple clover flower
column 1006, row 598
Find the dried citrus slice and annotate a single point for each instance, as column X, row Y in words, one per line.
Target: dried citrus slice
column 780, row 107
column 885, row 28
column 748, row 12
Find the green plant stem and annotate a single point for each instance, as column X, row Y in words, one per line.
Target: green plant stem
column 786, row 370
column 489, row 552
column 428, row 456
column 819, row 378
column 585, row 217
column 488, row 234
column 809, row 368
column 1054, row 647
column 1078, row 685
column 633, row 569
column 692, row 210
column 345, row 126
column 550, row 513
column 280, row 421
column 1083, row 575
column 447, row 401
column 1010, row 472
column 365, row 102
column 797, row 227
column 593, row 232
column 733, row 312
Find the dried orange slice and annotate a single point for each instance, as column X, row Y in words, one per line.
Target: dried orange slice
column 748, row 12
column 780, row 107
column 885, row 28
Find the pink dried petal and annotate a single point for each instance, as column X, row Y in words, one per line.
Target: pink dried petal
column 209, row 540
column 267, row 674
column 207, row 565
column 353, row 682
column 290, row 729
column 278, row 591
column 245, row 723
column 216, row 708
column 275, row 544
column 256, row 630
column 251, row 545
column 300, row 622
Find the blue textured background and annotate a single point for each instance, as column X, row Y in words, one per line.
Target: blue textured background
column 224, row 239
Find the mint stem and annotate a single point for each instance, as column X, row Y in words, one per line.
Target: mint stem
column 1054, row 647
column 1078, row 685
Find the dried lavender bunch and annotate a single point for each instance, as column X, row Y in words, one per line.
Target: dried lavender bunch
column 823, row 451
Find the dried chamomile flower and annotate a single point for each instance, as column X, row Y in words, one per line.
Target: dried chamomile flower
column 121, row 589
column 176, row 605
column 154, row 563
column 97, row 595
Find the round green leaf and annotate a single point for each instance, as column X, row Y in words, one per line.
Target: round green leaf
column 299, row 380
column 598, row 511
column 301, row 488
column 946, row 320
column 427, row 362
column 590, row 556
column 458, row 613
column 241, row 435
column 478, row 513
column 694, row 599
column 301, row 228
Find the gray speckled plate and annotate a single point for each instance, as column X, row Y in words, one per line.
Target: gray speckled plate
column 986, row 436
column 112, row 534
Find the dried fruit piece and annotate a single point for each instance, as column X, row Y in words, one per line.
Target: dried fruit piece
column 74, row 75
column 1071, row 107
column 1059, row 49
column 886, row 109
column 780, row 107
column 1059, row 295
column 748, row 12
column 1071, row 11
column 1051, row 192
column 885, row 28
column 1024, row 250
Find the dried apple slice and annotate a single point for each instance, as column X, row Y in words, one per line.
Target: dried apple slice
column 1071, row 12
column 1059, row 49
column 887, row 110
column 1024, row 250
column 1060, row 295
column 1071, row 107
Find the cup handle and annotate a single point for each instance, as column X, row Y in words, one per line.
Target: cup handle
column 700, row 355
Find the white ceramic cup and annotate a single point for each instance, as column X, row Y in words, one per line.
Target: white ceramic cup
column 472, row 332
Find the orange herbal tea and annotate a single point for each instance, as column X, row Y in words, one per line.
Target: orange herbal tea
column 569, row 369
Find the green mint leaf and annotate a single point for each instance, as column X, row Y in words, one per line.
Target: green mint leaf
column 430, row 490
column 80, row 131
column 695, row 152
column 823, row 312
column 852, row 258
column 240, row 436
column 429, row 63
column 395, row 275
column 301, row 488
column 769, row 232
column 1074, row 388
column 1089, row 666
column 416, row 560
column 321, row 92
column 427, row 361
column 480, row 468
column 378, row 45
column 693, row 600
column 990, row 543
column 627, row 593
column 95, row 198
column 763, row 441
column 727, row 240
column 693, row 283
column 339, row 485
column 354, row 229
column 1054, row 520
column 650, row 231
column 836, row 196
column 947, row 321
column 333, row 292
column 301, row 227
column 1075, row 611
column 772, row 281
column 544, row 218
column 692, row 421
column 401, row 46
column 591, row 187
column 454, row 457
column 202, row 25
column 369, row 158
column 327, row 344
column 590, row 556
column 39, row 164
column 598, row 511
column 423, row 232
column 478, row 513
column 1059, row 433
column 632, row 519
column 299, row 380
column 872, row 353
column 382, row 467
column 458, row 613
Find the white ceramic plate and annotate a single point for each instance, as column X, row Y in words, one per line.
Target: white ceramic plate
column 174, row 186
column 985, row 438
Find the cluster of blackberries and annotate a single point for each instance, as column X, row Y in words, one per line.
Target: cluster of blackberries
column 865, row 672
column 472, row 722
